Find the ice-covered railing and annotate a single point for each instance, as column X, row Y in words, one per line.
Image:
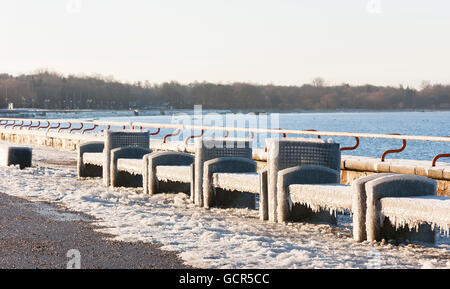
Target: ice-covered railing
column 97, row 128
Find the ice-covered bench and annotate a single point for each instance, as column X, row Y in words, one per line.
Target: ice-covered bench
column 317, row 188
column 128, row 160
column 382, row 204
column 168, row 171
column 236, row 176
column 219, row 155
column 90, row 159
column 298, row 152
column 183, row 168
column 305, row 185
column 15, row 155
column 94, row 158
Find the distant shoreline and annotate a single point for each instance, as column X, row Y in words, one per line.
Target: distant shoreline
column 161, row 111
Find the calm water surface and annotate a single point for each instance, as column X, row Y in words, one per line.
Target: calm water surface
column 408, row 123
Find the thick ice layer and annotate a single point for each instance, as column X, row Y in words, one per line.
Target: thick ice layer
column 132, row 166
column 414, row 211
column 173, row 173
column 242, row 182
column 333, row 197
column 215, row 238
column 93, row 158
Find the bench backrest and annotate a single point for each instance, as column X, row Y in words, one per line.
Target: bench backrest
column 290, row 152
column 121, row 138
column 125, row 138
column 208, row 148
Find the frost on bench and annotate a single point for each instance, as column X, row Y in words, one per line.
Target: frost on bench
column 330, row 197
column 415, row 211
column 207, row 149
column 181, row 174
column 359, row 205
column 168, row 171
column 303, row 175
column 230, row 164
column 89, row 159
column 291, row 152
column 399, row 187
column 132, row 166
column 95, row 159
column 241, row 182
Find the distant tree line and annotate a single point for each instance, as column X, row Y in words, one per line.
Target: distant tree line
column 49, row 90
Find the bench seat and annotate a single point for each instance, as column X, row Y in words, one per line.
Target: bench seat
column 333, row 197
column 413, row 211
column 95, row 159
column 242, row 182
column 181, row 174
column 132, row 166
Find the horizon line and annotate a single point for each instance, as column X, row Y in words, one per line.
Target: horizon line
column 113, row 78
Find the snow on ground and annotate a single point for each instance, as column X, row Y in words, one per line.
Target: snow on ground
column 216, row 238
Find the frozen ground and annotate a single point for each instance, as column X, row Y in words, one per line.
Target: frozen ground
column 216, row 238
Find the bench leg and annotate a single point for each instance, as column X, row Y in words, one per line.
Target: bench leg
column 106, row 170
column 359, row 205
column 192, row 184
column 80, row 167
column 263, row 196
column 209, row 199
column 145, row 176
column 152, row 180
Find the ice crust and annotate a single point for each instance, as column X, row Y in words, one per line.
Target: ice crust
column 332, row 197
column 242, row 182
column 180, row 174
column 132, row 166
column 414, row 211
column 93, row 158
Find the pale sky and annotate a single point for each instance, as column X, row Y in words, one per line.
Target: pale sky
column 285, row 42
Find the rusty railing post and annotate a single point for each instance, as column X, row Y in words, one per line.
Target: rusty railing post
column 178, row 131
column 394, row 151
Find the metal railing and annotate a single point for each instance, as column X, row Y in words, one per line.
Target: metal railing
column 98, row 128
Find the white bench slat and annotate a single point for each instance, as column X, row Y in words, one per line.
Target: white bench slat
column 334, row 197
column 93, row 158
column 180, row 174
column 413, row 211
column 242, row 182
column 132, row 166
